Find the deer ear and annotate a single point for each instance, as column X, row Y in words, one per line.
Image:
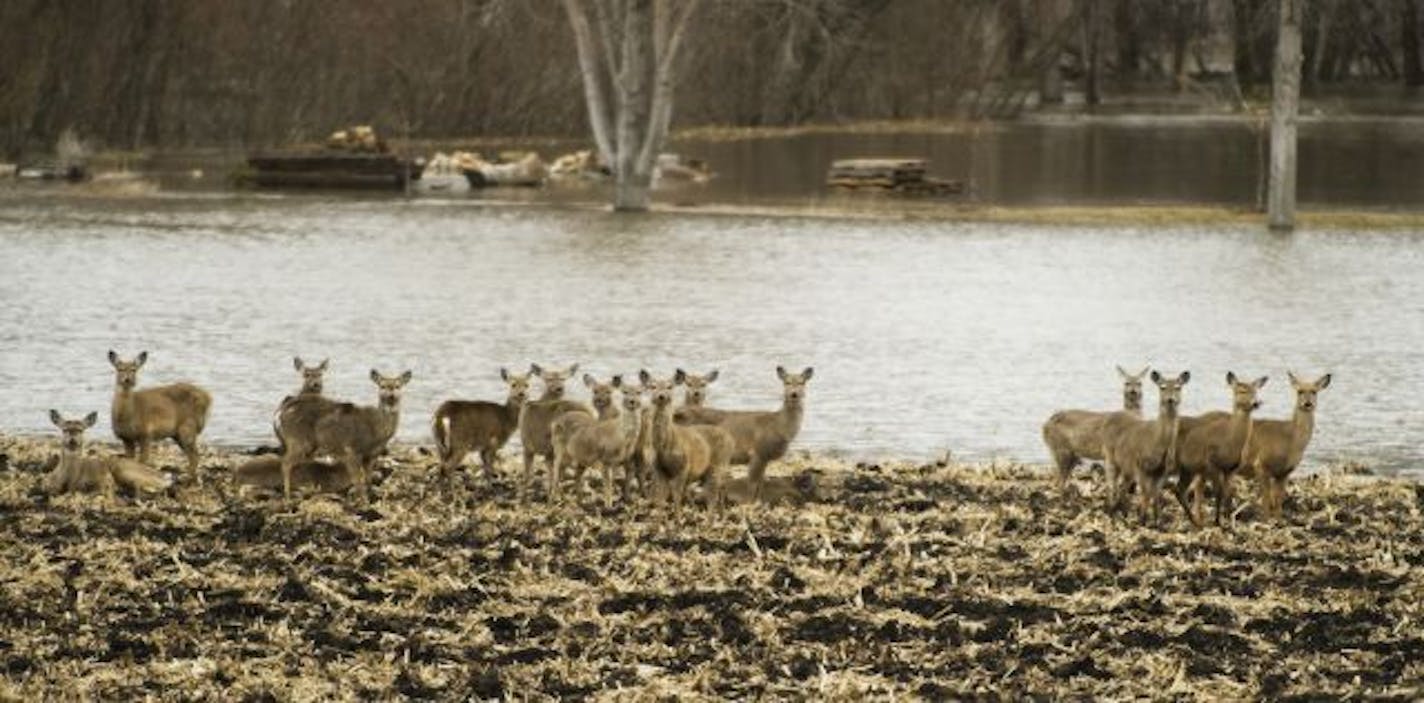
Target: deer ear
column 1323, row 382
column 806, row 375
column 90, row 419
column 534, row 369
column 1291, row 375
column 679, row 376
column 297, row 363
column 1156, row 377
column 322, row 365
column 589, row 381
column 644, row 377
column 405, row 377
column 1230, row 378
column 503, row 374
column 113, row 357
column 375, row 376
column 1261, row 382
column 617, row 381
column 142, row 358
column 1186, row 376
column 711, row 376
column 781, row 373
column 55, row 418
column 1125, row 375
column 572, row 370
column 1138, row 376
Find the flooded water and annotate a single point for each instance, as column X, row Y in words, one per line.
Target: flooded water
column 924, row 336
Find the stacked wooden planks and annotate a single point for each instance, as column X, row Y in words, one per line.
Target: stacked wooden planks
column 889, row 174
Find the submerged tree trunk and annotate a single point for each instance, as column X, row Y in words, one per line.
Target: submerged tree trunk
column 1285, row 103
column 1409, row 41
column 627, row 51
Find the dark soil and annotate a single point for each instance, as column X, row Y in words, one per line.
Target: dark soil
column 941, row 582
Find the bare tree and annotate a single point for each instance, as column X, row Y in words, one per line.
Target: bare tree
column 1285, row 103
column 627, row 52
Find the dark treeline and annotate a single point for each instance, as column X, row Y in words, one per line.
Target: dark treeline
column 180, row 73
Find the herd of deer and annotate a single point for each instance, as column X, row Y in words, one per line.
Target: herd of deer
column 662, row 449
column 1193, row 452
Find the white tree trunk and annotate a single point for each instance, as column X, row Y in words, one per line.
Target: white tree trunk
column 627, row 53
column 1285, row 104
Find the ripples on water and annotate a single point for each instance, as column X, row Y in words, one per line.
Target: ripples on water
column 925, row 336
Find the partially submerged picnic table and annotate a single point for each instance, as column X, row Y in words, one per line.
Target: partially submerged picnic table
column 899, row 175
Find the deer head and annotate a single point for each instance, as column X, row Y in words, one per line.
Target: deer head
column 126, row 372
column 72, row 431
column 1132, row 387
column 389, row 387
column 794, row 385
column 1305, row 392
column 602, row 392
column 311, row 375
column 659, row 390
column 1243, row 393
column 1169, row 391
column 553, row 380
column 695, row 386
column 518, row 386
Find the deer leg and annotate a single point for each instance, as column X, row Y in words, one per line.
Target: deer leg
column 607, row 484
column 188, row 441
column 288, row 463
column 524, row 485
column 756, row 471
column 357, row 470
column 143, row 447
column 487, row 457
column 679, row 493
column 130, row 447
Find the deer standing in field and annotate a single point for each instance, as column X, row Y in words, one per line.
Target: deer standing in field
column 606, row 442
column 682, row 454
column 354, row 434
column 177, row 411
column 1145, row 450
column 313, row 381
column 1074, row 436
column 761, row 437
column 694, row 387
column 1277, row 446
column 76, row 472
column 568, row 424
column 536, row 421
column 1211, row 448
column 464, row 426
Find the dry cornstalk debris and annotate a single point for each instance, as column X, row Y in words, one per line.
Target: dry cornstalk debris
column 895, row 579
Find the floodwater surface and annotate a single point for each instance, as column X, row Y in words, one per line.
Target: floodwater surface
column 925, row 336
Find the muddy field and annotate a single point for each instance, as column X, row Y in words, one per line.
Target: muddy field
column 938, row 581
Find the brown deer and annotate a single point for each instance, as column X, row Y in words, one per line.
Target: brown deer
column 565, row 425
column 353, row 434
column 606, row 442
column 1145, row 450
column 464, row 426
column 1074, row 436
column 1277, row 446
column 536, row 421
column 177, row 411
column 1211, row 447
column 265, row 473
column 681, row 454
column 313, row 381
column 76, row 472
column 761, row 437
column 694, row 387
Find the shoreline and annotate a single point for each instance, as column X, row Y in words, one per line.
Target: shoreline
column 904, row 580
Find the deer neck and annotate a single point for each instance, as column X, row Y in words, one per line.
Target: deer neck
column 662, row 427
column 387, row 418
column 122, row 406
column 790, row 415
column 1239, row 429
column 70, row 460
column 1302, row 427
column 630, row 423
column 512, row 409
column 1167, row 432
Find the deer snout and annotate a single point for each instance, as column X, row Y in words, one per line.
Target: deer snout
column 71, row 443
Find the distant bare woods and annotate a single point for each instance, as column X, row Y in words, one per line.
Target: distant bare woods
column 180, row 73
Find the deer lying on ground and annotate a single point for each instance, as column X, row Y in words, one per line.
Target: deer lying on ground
column 1144, row 450
column 313, row 381
column 353, row 434
column 464, row 426
column 1211, row 447
column 1277, row 446
column 694, row 388
column 1073, row 436
column 760, row 437
column 78, row 473
column 177, row 411
column 607, row 442
column 265, row 472
column 684, row 454
column 536, row 421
